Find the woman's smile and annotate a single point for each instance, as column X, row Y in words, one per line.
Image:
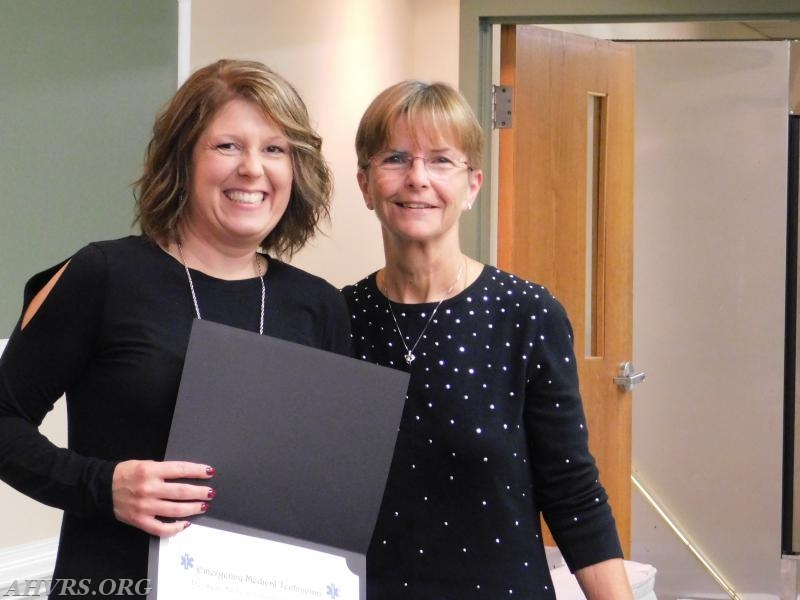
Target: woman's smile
column 245, row 197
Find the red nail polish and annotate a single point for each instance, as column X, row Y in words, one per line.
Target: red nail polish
column 212, row 493
column 204, row 506
column 211, row 471
column 186, row 524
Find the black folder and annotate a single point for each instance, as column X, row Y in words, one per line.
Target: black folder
column 301, row 438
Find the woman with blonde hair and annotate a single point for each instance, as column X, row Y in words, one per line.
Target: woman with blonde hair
column 493, row 432
column 233, row 172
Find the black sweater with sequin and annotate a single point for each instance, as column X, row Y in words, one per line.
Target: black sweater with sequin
column 492, row 435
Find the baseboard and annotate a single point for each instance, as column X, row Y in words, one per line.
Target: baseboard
column 32, row 561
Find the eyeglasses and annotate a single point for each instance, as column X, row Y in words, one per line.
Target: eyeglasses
column 438, row 164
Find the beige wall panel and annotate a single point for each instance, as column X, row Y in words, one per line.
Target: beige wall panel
column 339, row 55
column 709, row 284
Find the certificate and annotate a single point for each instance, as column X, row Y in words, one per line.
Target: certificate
column 302, row 441
column 208, row 563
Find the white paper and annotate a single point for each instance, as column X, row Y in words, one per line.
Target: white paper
column 209, row 563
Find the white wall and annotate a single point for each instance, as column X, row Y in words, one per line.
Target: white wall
column 338, row 55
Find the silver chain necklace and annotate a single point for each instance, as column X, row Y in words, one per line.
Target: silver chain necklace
column 194, row 295
column 409, row 355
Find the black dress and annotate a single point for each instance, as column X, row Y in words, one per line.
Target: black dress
column 112, row 335
column 492, row 434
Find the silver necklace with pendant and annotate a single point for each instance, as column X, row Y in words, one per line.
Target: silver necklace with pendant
column 259, row 274
column 409, row 356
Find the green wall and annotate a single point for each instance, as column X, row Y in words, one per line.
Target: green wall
column 80, row 84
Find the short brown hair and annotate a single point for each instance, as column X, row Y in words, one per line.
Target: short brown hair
column 162, row 190
column 436, row 109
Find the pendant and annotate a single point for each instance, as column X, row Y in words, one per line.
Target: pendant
column 409, row 357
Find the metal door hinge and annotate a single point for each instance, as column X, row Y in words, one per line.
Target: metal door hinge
column 501, row 106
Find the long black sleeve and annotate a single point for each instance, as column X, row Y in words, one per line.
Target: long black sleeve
column 41, row 363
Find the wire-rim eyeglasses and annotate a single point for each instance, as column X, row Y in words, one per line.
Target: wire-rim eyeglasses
column 437, row 164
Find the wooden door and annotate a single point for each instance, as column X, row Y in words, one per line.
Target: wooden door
column 566, row 214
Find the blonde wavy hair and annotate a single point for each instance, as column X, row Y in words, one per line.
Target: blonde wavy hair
column 162, row 190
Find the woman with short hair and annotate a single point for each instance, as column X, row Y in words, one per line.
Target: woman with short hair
column 493, row 432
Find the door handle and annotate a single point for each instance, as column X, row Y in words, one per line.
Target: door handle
column 627, row 377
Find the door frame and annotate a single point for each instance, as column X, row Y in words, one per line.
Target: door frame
column 476, row 44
